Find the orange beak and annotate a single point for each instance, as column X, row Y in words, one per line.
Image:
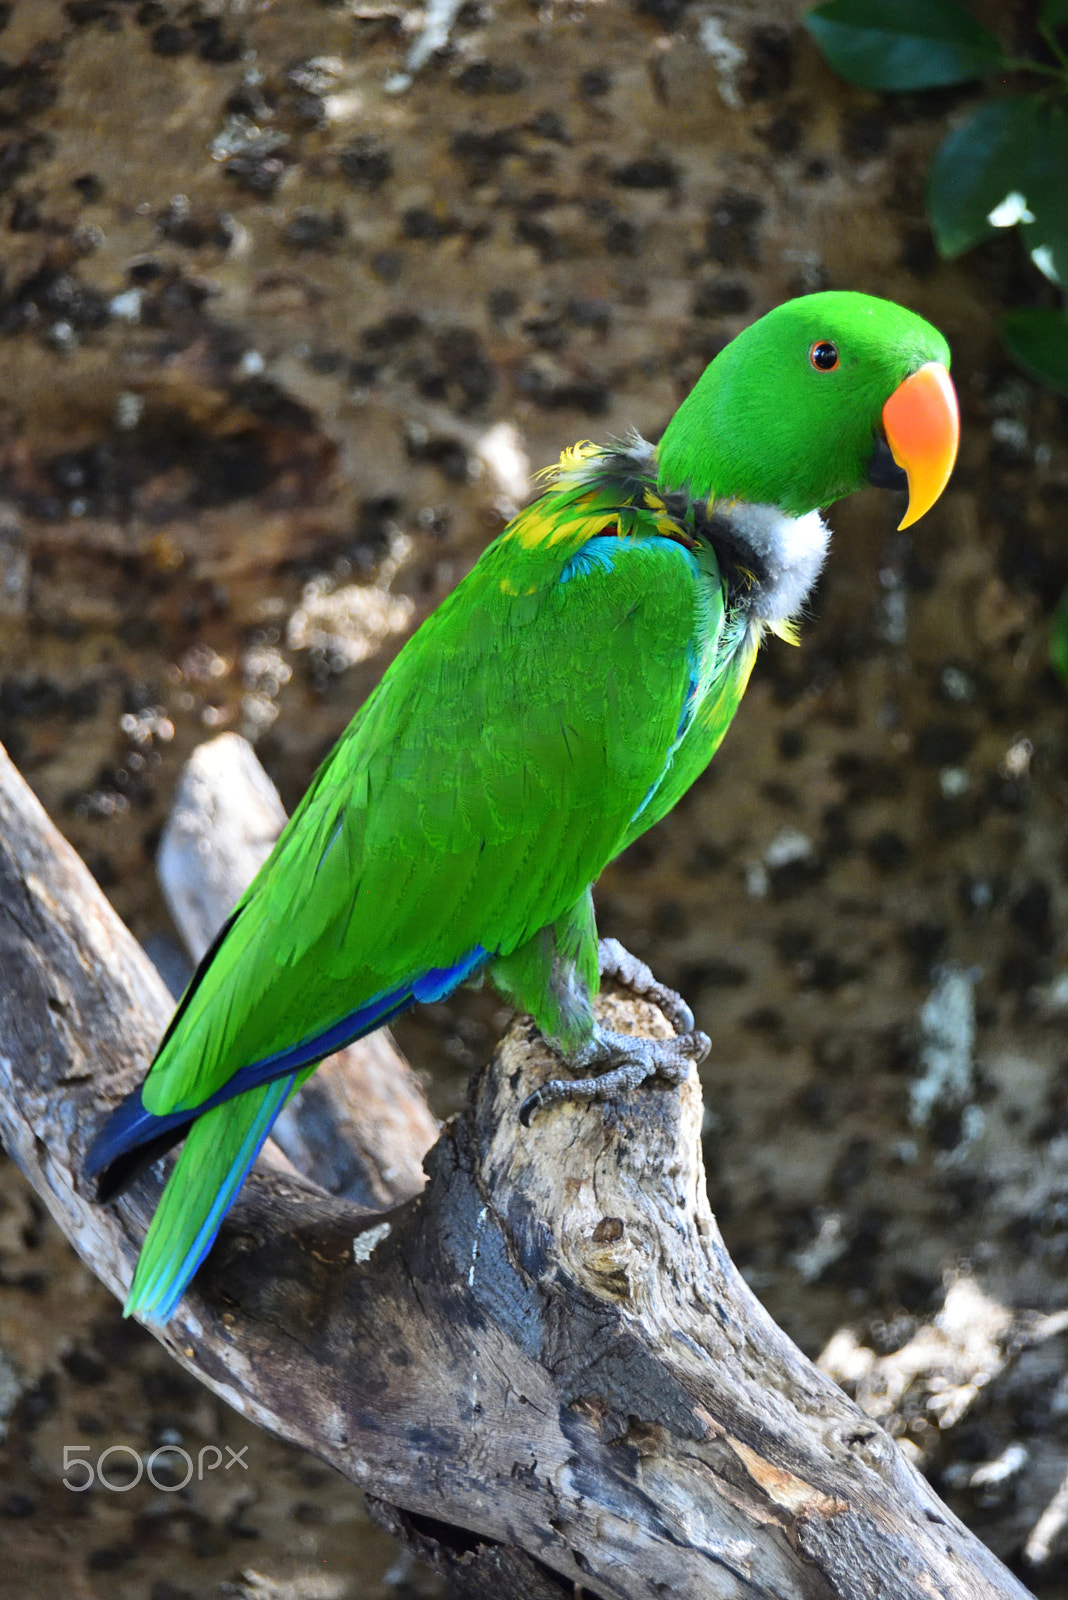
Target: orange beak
column 922, row 424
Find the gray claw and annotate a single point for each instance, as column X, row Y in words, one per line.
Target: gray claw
column 618, row 963
column 629, row 1061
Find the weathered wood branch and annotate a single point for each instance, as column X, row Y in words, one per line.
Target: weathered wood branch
column 549, row 1347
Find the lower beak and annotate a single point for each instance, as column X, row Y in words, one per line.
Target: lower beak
column 922, row 424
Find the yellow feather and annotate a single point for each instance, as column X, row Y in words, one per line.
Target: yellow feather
column 532, row 527
column 570, row 459
column 576, row 454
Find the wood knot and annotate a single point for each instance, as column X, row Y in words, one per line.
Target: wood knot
column 648, row 1438
column 608, row 1258
column 609, row 1230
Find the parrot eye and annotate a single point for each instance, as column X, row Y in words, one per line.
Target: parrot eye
column 824, row 355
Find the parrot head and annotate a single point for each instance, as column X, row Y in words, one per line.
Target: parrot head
column 823, row 395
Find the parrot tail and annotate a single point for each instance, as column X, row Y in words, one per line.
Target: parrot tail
column 219, row 1149
column 223, row 1136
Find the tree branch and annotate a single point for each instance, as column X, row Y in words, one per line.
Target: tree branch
column 549, row 1348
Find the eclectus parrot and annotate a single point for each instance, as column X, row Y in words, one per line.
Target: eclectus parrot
column 553, row 708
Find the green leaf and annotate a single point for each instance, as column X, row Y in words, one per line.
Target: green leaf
column 1044, row 182
column 1039, row 342
column 1006, row 164
column 1053, row 13
column 903, row 44
column 979, row 164
column 1058, row 638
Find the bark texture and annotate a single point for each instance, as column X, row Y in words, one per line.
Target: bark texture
column 550, row 1348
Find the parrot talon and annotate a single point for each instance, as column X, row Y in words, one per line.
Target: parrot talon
column 605, row 1086
column 632, row 1061
column 617, row 962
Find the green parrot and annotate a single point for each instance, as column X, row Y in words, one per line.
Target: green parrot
column 553, row 708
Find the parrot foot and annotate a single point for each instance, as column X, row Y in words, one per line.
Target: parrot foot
column 617, row 962
column 628, row 1061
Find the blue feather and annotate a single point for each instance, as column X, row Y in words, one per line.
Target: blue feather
column 690, row 701
column 161, row 1294
column 598, row 553
column 689, row 704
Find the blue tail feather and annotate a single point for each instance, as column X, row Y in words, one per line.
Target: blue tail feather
column 158, row 1298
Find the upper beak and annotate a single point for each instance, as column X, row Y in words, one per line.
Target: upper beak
column 922, row 424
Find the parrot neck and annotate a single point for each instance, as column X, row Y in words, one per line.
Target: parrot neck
column 788, row 552
column 785, row 550
column 768, row 559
